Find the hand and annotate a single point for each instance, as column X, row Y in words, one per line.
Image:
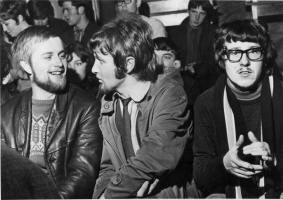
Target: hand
column 281, row 196
column 234, row 165
column 257, row 148
column 147, row 188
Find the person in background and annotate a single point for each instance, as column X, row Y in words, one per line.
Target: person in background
column 54, row 124
column 42, row 14
column 158, row 29
column 10, row 89
column 194, row 40
column 79, row 15
column 166, row 56
column 238, row 122
column 144, row 119
column 80, row 62
column 14, row 19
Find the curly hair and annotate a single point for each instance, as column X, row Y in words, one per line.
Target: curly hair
column 127, row 35
column 244, row 31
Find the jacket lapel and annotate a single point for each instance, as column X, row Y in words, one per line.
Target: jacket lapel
column 57, row 115
column 24, row 134
column 110, row 132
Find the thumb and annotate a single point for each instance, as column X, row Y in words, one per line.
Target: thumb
column 252, row 137
column 240, row 141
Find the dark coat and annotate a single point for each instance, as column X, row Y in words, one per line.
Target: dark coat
column 89, row 31
column 73, row 152
column 163, row 129
column 206, row 70
column 22, row 179
column 61, row 28
column 211, row 145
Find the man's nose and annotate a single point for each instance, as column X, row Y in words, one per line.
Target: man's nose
column 94, row 68
column 245, row 61
column 4, row 27
column 197, row 16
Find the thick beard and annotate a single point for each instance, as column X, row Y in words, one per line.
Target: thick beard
column 51, row 86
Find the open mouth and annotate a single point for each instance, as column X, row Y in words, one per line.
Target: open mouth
column 57, row 72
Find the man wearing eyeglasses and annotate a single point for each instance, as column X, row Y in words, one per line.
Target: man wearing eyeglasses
column 158, row 29
column 55, row 125
column 238, row 122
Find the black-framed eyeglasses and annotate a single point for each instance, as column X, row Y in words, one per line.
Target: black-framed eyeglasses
column 253, row 54
column 123, row 2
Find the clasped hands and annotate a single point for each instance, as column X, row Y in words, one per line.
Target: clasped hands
column 234, row 165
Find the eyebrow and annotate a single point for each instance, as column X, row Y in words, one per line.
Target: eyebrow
column 238, row 48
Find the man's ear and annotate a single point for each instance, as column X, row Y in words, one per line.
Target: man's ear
column 81, row 10
column 26, row 67
column 139, row 3
column 20, row 18
column 177, row 64
column 130, row 64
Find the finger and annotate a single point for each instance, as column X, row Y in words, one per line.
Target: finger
column 153, row 185
column 257, row 152
column 257, row 167
column 246, row 173
column 266, row 145
column 252, row 137
column 239, row 174
column 267, row 158
column 143, row 189
column 254, row 145
column 240, row 141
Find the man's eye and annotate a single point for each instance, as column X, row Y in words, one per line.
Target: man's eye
column 48, row 57
column 234, row 52
column 62, row 55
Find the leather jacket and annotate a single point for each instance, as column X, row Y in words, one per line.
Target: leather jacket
column 73, row 151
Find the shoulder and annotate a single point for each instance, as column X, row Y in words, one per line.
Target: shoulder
column 16, row 100
column 205, row 100
column 58, row 23
column 168, row 87
column 81, row 97
column 92, row 26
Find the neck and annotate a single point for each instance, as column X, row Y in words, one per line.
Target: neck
column 133, row 88
column 83, row 22
column 245, row 95
column 24, row 25
column 41, row 94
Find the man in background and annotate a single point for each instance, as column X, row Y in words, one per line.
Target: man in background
column 79, row 15
column 194, row 40
column 158, row 29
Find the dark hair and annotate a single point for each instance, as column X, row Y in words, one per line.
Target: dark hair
column 40, row 9
column 244, row 31
column 165, row 44
column 87, row 4
column 11, row 9
column 127, row 35
column 22, row 46
column 5, row 56
column 144, row 9
column 205, row 4
column 82, row 52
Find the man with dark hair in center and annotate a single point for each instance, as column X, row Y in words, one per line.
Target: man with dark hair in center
column 144, row 119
